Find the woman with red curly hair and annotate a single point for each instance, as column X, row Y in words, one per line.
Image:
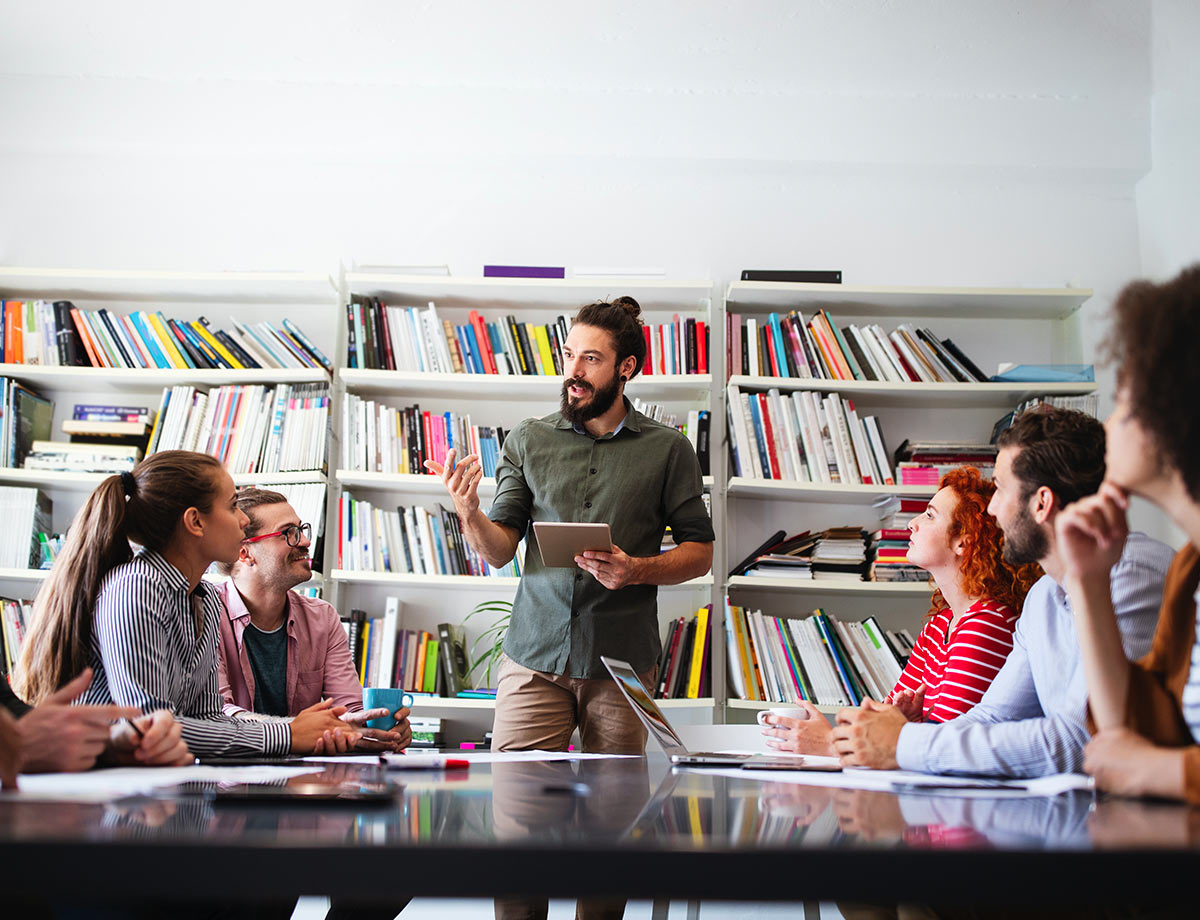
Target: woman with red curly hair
column 976, row 601
column 969, row 631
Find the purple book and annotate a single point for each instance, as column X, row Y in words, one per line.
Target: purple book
column 523, row 271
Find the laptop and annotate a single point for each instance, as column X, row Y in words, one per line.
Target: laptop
column 657, row 725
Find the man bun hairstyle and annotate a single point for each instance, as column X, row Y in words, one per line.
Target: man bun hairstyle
column 1059, row 448
column 621, row 318
column 1153, row 341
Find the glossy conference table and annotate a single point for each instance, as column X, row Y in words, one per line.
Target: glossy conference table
column 631, row 828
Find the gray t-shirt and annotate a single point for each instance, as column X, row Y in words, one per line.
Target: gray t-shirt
column 267, row 652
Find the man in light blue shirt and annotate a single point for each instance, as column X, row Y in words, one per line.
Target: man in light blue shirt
column 1030, row 722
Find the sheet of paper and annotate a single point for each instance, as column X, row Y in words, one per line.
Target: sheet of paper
column 908, row 781
column 413, row 759
column 120, row 782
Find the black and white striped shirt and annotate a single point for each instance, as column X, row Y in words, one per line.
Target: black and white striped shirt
column 145, row 653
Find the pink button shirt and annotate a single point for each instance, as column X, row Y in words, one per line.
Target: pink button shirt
column 318, row 656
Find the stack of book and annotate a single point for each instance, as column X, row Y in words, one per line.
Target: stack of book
column 61, row 334
column 27, row 416
column 82, row 457
column 1087, row 403
column 251, row 429
column 384, row 439
column 923, row 463
column 781, row 558
column 385, row 337
column 805, row 436
column 889, row 557
column 818, row 658
column 684, row 671
column 409, row 540
column 13, row 615
column 26, row 513
column 788, row 346
column 840, row 555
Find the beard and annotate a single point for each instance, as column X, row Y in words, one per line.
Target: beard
column 602, row 400
column 1025, row 541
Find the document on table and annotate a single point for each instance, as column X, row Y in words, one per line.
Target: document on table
column 416, row 760
column 122, row 782
column 910, row 781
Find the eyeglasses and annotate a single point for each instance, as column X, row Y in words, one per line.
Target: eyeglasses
column 292, row 533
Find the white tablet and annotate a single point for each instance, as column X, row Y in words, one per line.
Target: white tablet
column 560, row 543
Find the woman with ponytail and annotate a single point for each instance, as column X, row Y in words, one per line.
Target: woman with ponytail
column 143, row 621
column 968, row 632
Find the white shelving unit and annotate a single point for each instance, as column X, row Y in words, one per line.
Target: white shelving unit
column 1034, row 325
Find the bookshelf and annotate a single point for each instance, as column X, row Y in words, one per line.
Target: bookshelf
column 493, row 400
column 1026, row 325
column 305, row 298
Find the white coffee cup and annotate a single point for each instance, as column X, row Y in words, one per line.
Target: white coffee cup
column 788, row 712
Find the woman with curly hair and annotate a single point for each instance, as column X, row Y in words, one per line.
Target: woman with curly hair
column 969, row 630
column 1145, row 714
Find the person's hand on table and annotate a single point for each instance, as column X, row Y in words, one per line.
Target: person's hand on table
column 319, row 729
column 1124, row 762
column 57, row 737
column 867, row 736
column 395, row 739
column 461, row 480
column 613, row 570
column 802, row 803
column 911, row 704
column 811, row 735
column 161, row 743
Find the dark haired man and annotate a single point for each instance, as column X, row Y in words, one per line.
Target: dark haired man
column 596, row 460
column 1030, row 722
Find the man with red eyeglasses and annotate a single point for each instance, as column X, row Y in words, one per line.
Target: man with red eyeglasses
column 281, row 653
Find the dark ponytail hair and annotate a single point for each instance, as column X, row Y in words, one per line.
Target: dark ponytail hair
column 622, row 320
column 144, row 506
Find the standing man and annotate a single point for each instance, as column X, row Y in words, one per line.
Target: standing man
column 279, row 652
column 1030, row 722
column 597, row 460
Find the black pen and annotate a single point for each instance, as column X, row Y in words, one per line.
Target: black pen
column 141, row 735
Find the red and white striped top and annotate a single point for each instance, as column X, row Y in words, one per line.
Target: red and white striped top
column 956, row 670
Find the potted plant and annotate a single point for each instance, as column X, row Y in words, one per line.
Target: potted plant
column 488, row 645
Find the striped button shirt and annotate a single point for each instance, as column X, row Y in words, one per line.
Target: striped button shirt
column 145, row 653
column 957, row 668
column 1030, row 721
column 1191, row 691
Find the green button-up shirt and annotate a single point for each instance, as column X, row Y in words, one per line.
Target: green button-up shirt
column 638, row 480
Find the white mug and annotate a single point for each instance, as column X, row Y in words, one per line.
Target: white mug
column 789, row 712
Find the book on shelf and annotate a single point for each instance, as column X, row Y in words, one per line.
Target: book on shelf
column 92, row 413
column 14, row 615
column 26, row 513
column 793, row 276
column 1086, row 402
column 684, row 670
column 788, row 345
column 62, row 335
column 410, row 540
column 819, row 658
column 416, row 660
column 524, row 271
column 385, row 439
column 804, row 436
column 251, row 429
column 27, row 417
column 925, row 462
column 71, row 426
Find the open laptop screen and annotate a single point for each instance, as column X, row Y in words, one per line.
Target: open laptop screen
column 647, row 710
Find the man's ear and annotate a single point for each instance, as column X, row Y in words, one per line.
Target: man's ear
column 627, row 367
column 1043, row 504
column 245, row 556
